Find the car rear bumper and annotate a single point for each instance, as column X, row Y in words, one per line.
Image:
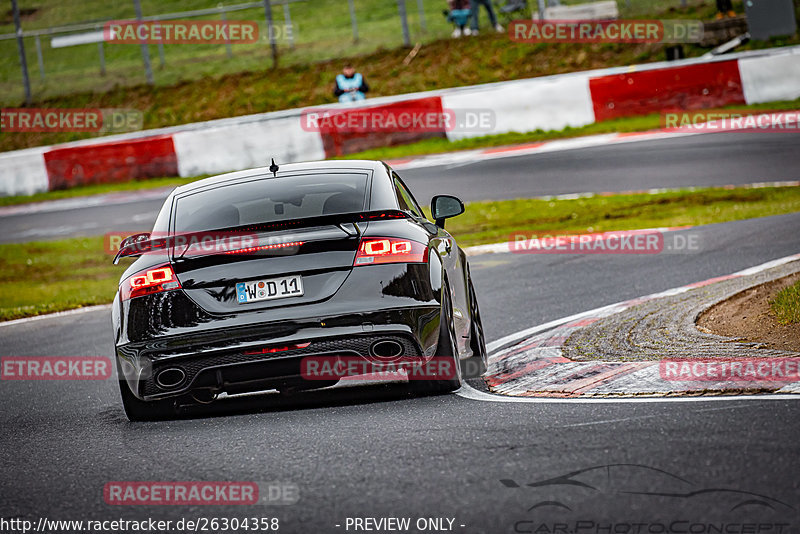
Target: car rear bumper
column 218, row 359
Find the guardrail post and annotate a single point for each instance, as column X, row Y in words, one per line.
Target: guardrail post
column 23, row 61
column 39, row 56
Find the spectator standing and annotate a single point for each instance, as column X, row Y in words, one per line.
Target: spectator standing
column 475, row 6
column 350, row 85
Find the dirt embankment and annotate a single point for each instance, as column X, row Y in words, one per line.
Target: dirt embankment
column 747, row 316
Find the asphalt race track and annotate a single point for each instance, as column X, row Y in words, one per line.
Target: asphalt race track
column 699, row 160
column 379, row 452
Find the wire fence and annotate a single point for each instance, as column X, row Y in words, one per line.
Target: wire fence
column 65, row 51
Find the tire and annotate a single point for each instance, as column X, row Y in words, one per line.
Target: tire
column 139, row 410
column 446, row 348
column 475, row 366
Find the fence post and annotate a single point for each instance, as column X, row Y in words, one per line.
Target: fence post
column 23, row 61
column 102, row 58
column 224, row 18
column 271, row 31
column 353, row 20
column 421, row 9
column 39, row 56
column 161, row 52
column 401, row 6
column 287, row 22
column 541, row 9
column 148, row 71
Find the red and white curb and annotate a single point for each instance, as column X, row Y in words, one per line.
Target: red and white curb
column 530, row 362
column 547, row 103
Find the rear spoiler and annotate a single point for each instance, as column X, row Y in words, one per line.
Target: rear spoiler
column 138, row 244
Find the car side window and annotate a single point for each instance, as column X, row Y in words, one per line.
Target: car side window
column 405, row 198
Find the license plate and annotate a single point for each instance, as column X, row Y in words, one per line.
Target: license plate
column 269, row 289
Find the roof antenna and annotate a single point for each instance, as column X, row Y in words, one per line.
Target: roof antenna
column 273, row 168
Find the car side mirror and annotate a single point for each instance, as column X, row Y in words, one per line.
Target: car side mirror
column 445, row 206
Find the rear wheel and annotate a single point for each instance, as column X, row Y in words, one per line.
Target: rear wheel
column 139, row 410
column 446, row 358
column 475, row 365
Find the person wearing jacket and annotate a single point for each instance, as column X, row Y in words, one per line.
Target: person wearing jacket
column 458, row 13
column 350, row 85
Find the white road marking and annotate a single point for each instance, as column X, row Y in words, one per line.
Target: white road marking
column 468, row 392
column 145, row 217
column 91, row 201
column 607, row 421
column 558, row 145
column 78, row 311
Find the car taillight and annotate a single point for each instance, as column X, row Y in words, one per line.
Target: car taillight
column 376, row 250
column 154, row 280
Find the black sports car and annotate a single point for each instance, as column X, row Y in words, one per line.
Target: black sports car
column 247, row 275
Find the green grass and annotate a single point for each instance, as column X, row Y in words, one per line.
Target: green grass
column 50, row 276
column 786, row 304
column 626, row 124
column 494, row 221
column 97, row 189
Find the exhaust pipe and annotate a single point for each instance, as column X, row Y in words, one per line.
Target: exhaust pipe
column 170, row 377
column 386, row 348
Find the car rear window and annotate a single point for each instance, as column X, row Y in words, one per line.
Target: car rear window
column 267, row 199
